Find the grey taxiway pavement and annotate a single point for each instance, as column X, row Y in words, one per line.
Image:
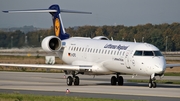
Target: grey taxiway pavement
column 98, row 87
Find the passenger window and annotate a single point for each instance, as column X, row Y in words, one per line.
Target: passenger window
column 108, row 51
column 123, row 53
column 72, row 48
column 93, row 50
column 79, row 49
column 96, row 50
column 85, row 49
column 138, row 53
column 105, row 51
column 99, row 51
column 117, row 52
column 114, row 52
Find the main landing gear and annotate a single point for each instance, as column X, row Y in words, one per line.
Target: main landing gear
column 71, row 79
column 152, row 82
column 74, row 79
column 117, row 79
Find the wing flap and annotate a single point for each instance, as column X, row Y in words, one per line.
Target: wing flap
column 62, row 67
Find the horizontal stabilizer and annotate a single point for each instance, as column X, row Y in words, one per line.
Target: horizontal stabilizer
column 44, row 11
column 71, row 11
column 30, row 11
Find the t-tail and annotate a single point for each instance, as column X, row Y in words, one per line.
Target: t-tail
column 55, row 11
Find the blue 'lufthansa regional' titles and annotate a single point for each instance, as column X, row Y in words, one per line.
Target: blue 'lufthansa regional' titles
column 119, row 47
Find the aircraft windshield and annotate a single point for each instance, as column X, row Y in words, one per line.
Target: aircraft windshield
column 147, row 53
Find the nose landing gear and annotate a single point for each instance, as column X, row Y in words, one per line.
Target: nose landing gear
column 152, row 83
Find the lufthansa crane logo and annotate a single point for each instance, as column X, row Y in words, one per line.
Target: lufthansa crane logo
column 57, row 27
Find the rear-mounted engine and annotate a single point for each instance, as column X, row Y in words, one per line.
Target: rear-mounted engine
column 51, row 43
column 101, row 38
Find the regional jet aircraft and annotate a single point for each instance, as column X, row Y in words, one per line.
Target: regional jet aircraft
column 98, row 55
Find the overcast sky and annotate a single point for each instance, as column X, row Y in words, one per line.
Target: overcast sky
column 105, row 12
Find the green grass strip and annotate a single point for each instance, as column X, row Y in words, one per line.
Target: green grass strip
column 25, row 97
column 172, row 74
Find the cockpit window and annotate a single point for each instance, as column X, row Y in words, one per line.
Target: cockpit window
column 157, row 53
column 147, row 53
column 138, row 53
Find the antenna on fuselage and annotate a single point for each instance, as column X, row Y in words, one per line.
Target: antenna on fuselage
column 134, row 40
column 112, row 38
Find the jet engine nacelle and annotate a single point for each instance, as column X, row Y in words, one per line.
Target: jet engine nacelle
column 51, row 44
column 101, row 38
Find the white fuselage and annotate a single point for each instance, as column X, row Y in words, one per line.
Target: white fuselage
column 106, row 56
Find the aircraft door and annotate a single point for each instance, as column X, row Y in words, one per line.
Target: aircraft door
column 127, row 59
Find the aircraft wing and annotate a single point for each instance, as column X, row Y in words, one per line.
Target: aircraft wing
column 172, row 65
column 62, row 67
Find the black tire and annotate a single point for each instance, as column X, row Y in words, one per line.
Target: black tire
column 120, row 80
column 76, row 80
column 113, row 80
column 150, row 85
column 154, row 85
column 69, row 81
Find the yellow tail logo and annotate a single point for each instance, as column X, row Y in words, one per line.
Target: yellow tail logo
column 57, row 27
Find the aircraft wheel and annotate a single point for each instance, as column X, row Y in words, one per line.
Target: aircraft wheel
column 150, row 85
column 113, row 80
column 76, row 80
column 120, row 80
column 69, row 80
column 154, row 84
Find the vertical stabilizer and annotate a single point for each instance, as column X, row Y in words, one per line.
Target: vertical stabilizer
column 57, row 23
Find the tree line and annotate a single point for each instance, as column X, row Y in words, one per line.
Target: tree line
column 165, row 36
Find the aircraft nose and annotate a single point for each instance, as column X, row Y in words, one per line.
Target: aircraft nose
column 160, row 68
column 159, row 65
